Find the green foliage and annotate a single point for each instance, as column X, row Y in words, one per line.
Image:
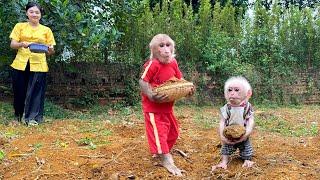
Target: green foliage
column 9, row 13
column 276, row 124
column 268, row 48
column 87, row 100
column 216, row 39
column 6, row 113
column 131, row 95
column 2, row 155
column 37, row 146
column 60, row 143
column 54, row 111
column 78, row 27
column 220, row 57
column 87, row 142
column 99, row 133
column 83, row 27
column 204, row 121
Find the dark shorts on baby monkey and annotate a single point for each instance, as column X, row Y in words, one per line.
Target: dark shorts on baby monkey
column 245, row 149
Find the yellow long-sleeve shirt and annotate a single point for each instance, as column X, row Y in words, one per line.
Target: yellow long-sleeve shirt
column 24, row 32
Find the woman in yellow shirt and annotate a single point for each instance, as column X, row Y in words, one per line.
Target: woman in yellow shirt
column 30, row 69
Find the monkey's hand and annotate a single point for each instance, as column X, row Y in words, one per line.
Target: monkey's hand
column 158, row 98
column 192, row 90
column 173, row 79
column 153, row 96
column 241, row 139
column 227, row 141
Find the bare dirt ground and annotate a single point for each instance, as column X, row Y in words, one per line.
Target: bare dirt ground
column 79, row 149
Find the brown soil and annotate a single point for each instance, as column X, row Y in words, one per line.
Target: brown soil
column 57, row 150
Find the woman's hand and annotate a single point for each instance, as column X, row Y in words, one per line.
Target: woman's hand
column 16, row 44
column 50, row 50
column 24, row 44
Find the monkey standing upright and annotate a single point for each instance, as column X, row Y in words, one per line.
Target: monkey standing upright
column 237, row 111
column 162, row 128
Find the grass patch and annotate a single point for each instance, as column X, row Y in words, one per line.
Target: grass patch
column 91, row 143
column 54, row 111
column 37, row 146
column 115, row 113
column 2, row 155
column 94, row 127
column 51, row 111
column 202, row 116
column 204, row 120
column 6, row 113
column 61, row 144
column 125, row 114
column 87, row 142
column 11, row 134
column 95, row 134
column 273, row 123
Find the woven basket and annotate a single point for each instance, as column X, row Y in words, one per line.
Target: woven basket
column 234, row 132
column 176, row 89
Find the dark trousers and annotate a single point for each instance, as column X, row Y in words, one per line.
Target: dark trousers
column 29, row 90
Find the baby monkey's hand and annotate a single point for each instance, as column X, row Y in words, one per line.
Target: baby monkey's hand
column 226, row 140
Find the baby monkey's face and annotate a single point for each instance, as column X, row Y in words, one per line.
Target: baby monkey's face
column 164, row 51
column 236, row 94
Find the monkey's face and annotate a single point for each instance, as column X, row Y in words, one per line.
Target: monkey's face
column 236, row 94
column 164, row 51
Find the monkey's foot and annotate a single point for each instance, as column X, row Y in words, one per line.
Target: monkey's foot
column 220, row 165
column 248, row 163
column 173, row 169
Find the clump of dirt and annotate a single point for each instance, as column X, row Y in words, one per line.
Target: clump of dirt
column 56, row 150
column 234, row 132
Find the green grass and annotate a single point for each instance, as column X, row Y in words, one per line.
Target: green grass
column 95, row 113
column 61, row 144
column 201, row 118
column 10, row 134
column 96, row 128
column 277, row 124
column 54, row 111
column 92, row 143
column 51, row 111
column 2, row 155
column 37, row 146
column 6, row 113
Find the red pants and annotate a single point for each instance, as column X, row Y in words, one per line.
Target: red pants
column 162, row 131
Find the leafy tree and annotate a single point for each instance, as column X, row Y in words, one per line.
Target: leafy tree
column 83, row 27
column 214, row 39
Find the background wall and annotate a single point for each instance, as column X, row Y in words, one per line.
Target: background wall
column 85, row 82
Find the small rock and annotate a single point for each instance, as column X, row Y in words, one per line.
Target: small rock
column 114, row 176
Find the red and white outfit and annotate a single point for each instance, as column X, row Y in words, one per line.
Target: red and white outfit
column 161, row 125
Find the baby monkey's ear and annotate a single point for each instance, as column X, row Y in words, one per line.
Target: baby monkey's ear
column 249, row 94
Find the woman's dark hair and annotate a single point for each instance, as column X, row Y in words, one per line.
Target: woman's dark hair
column 32, row 4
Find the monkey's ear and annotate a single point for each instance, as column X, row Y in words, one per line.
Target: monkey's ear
column 249, row 94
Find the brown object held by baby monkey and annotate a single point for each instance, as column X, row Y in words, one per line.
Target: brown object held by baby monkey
column 234, row 132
